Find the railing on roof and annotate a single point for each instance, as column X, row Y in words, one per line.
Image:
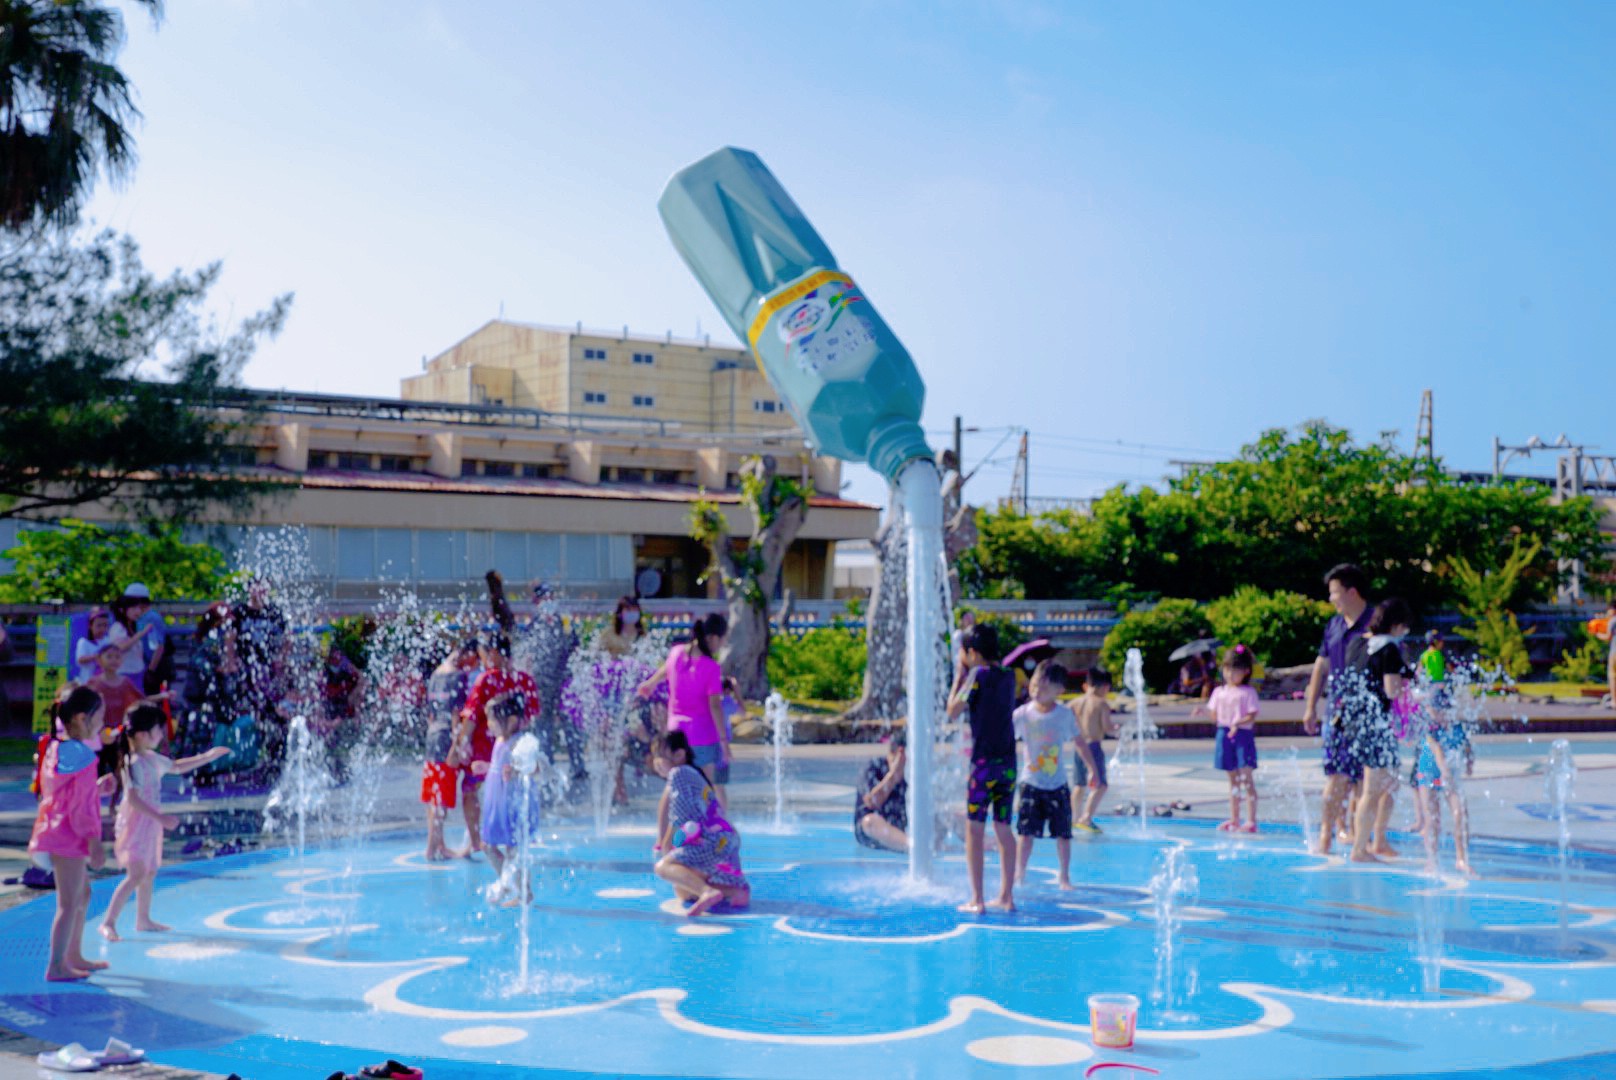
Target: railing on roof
column 440, row 412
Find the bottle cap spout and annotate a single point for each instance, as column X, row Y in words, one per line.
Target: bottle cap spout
column 894, row 443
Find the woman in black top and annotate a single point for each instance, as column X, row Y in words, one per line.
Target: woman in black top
column 1378, row 672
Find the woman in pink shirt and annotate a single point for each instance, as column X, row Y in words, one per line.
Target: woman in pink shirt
column 696, row 698
column 68, row 829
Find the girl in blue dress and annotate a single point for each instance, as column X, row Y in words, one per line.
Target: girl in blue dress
column 502, row 795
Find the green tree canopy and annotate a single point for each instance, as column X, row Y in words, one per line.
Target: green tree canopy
column 114, row 382
column 65, row 109
column 1291, row 505
column 82, row 563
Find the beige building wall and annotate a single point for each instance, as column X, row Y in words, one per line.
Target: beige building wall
column 683, row 384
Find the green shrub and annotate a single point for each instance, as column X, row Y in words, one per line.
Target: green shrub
column 824, row 664
column 1485, row 595
column 1281, row 628
column 1585, row 664
column 352, row 634
column 1155, row 633
column 84, row 563
column 1011, row 635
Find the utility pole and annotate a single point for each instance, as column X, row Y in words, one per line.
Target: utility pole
column 1425, row 435
column 1018, row 479
column 959, row 443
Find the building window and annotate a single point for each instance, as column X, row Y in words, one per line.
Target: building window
column 594, row 397
column 354, row 462
column 537, row 472
column 644, row 401
column 395, row 463
column 644, row 358
column 764, row 406
column 468, row 467
column 631, row 476
column 667, row 476
column 726, row 365
column 319, row 459
column 594, row 354
column 499, row 468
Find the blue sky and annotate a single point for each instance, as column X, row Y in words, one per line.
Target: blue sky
column 1143, row 231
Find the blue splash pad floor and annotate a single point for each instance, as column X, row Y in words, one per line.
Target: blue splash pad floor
column 1286, row 965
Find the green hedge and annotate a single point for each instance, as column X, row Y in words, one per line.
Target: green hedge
column 1155, row 633
column 1282, row 628
column 824, row 664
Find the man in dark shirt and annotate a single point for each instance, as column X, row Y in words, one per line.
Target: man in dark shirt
column 989, row 693
column 880, row 807
column 1346, row 584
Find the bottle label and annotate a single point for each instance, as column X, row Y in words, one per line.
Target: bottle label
column 813, row 320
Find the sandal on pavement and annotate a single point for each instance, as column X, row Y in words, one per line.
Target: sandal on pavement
column 71, row 1058
column 118, row 1052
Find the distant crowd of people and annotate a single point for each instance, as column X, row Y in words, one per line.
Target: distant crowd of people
column 1377, row 694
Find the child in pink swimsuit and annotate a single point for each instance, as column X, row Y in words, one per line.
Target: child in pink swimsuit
column 68, row 829
column 138, row 842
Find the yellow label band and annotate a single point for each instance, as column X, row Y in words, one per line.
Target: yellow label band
column 788, row 296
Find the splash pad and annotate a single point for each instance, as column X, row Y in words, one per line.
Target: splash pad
column 1287, row 964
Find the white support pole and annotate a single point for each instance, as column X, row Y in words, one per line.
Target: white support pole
column 921, row 488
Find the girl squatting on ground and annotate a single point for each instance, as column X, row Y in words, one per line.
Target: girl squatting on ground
column 141, row 821
column 699, row 851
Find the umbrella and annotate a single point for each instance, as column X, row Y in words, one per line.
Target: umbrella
column 1195, row 648
column 1029, row 655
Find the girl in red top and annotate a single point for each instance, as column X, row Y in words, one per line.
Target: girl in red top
column 68, row 829
column 501, row 686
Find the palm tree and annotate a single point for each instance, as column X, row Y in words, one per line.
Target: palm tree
column 65, row 109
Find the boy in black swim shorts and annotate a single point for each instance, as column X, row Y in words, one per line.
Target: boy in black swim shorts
column 988, row 694
column 1046, row 728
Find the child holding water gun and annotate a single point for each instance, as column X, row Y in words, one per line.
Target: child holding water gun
column 502, row 794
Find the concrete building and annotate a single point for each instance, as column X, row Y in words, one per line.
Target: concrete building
column 433, row 495
column 684, row 385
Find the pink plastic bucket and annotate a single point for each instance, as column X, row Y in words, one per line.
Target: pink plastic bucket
column 1112, row 1018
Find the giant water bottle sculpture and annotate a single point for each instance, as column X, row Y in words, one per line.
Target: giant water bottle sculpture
column 842, row 373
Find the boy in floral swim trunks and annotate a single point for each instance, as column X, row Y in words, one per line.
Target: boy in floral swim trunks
column 989, row 694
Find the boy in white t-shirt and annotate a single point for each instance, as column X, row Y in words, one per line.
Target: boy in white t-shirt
column 1046, row 728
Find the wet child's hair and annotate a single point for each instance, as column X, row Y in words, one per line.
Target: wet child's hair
column 1098, row 677
column 79, row 701
column 1238, row 658
column 1051, row 673
column 1389, row 613
column 141, row 718
column 983, row 638
column 510, row 712
column 669, row 743
column 702, row 631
